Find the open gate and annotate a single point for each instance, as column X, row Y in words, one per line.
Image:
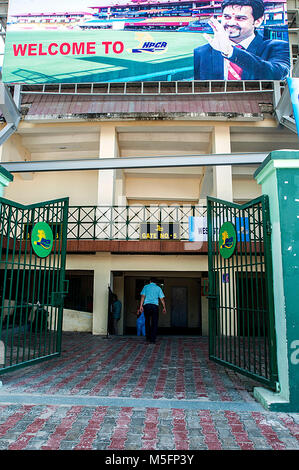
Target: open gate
column 241, row 311
column 32, row 285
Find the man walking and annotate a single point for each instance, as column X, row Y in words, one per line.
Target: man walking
column 149, row 303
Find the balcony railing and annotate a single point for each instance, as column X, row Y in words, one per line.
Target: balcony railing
column 123, row 222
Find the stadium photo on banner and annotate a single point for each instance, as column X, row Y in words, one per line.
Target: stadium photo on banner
column 81, row 41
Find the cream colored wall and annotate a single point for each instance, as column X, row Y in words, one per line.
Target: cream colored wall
column 245, row 189
column 162, row 188
column 13, row 150
column 80, row 187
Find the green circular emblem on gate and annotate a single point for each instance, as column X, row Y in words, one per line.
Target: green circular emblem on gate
column 227, row 239
column 42, row 239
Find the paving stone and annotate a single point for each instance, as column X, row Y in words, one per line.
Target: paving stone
column 222, row 417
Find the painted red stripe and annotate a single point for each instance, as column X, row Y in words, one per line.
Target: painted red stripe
column 121, row 430
column 83, row 368
column 209, row 430
column 293, row 428
column 137, row 392
column 201, row 390
column 17, row 383
column 150, row 430
column 126, row 377
column 92, row 428
column 62, row 429
column 239, row 433
column 31, row 430
column 268, row 432
column 180, row 377
column 219, row 386
column 180, row 432
column 110, row 374
column 14, row 419
column 67, row 368
column 161, row 381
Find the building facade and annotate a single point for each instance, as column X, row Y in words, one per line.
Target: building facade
column 76, row 124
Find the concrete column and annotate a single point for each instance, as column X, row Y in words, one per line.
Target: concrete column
column 222, row 175
column 102, row 280
column 106, row 178
column 119, row 189
column 279, row 177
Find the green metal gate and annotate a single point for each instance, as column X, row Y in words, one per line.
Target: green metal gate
column 241, row 312
column 32, row 285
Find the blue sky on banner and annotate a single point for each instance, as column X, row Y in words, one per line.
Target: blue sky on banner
column 35, row 6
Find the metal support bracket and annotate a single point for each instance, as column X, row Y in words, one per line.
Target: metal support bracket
column 10, row 112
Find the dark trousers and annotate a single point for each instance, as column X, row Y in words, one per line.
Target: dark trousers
column 151, row 313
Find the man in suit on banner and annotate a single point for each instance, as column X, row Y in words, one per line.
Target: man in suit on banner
column 237, row 51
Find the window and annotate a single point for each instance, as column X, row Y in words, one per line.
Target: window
column 80, row 295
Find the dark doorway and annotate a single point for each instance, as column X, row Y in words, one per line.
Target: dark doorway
column 179, row 307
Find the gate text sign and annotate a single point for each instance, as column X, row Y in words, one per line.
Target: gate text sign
column 163, row 231
column 77, row 41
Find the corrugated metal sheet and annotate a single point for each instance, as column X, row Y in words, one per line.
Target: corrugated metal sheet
column 56, row 104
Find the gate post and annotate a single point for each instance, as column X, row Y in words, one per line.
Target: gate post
column 5, row 179
column 279, row 177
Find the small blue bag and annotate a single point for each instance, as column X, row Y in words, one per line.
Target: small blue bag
column 140, row 324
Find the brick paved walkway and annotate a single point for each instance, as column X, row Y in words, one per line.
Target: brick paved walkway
column 121, row 393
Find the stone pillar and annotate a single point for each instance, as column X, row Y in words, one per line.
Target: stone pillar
column 102, row 279
column 279, row 177
column 222, row 175
column 106, row 178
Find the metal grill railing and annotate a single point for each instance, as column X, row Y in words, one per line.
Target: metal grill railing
column 123, row 222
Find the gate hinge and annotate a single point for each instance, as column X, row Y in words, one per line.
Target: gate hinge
column 269, row 227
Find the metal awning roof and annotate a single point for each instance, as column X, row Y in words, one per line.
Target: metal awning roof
column 136, row 162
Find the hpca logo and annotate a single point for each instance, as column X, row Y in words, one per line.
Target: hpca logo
column 227, row 239
column 42, row 239
column 151, row 47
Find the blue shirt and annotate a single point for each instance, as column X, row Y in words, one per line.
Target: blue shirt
column 152, row 294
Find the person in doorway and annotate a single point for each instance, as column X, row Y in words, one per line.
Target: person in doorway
column 116, row 312
column 237, row 51
column 149, row 303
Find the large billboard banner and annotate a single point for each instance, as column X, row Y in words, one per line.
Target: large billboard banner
column 293, row 84
column 77, row 41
